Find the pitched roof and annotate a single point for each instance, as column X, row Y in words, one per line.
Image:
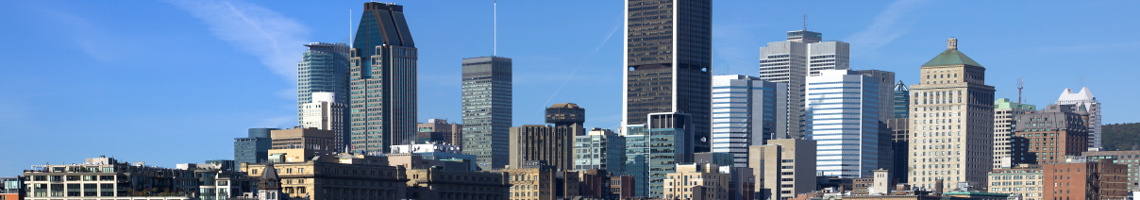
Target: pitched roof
column 951, row 57
column 565, row 105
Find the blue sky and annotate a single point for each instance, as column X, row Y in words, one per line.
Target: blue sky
column 171, row 82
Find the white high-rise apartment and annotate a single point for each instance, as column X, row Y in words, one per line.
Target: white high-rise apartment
column 793, row 60
column 952, row 118
column 843, row 118
column 746, row 112
column 326, row 114
column 1005, row 115
column 1085, row 100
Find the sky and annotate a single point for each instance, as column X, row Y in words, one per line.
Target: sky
column 169, row 82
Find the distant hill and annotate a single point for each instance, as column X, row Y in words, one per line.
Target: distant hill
column 1121, row 136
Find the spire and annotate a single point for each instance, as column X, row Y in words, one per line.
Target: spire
column 952, row 43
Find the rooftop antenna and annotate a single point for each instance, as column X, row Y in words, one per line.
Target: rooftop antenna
column 349, row 28
column 805, row 22
column 1020, row 85
column 496, row 26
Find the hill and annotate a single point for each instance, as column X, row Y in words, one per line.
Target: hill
column 1124, row 136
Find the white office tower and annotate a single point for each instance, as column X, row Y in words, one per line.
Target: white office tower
column 746, row 111
column 793, row 60
column 325, row 114
column 843, row 119
column 1005, row 118
column 1085, row 100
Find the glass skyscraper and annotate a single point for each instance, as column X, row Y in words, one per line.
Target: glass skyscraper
column 668, row 62
column 382, row 80
column 253, row 149
column 487, row 110
column 745, row 112
column 654, row 150
column 902, row 101
column 323, row 68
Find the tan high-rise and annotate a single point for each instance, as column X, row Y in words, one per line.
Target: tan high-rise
column 697, row 182
column 785, row 166
column 951, row 120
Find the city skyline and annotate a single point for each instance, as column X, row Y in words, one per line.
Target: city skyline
column 236, row 91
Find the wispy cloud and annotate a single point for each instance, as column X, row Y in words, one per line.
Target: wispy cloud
column 583, row 62
column 276, row 40
column 888, row 26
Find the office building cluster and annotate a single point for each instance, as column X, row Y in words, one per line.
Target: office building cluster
column 805, row 126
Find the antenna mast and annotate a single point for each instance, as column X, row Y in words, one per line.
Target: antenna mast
column 1020, row 85
column 496, row 34
column 805, row 22
column 349, row 28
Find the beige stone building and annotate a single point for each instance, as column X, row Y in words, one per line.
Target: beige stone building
column 786, row 167
column 697, row 182
column 438, row 184
column 1022, row 180
column 532, row 182
column 340, row 176
column 952, row 122
column 300, row 144
column 326, row 114
column 453, row 133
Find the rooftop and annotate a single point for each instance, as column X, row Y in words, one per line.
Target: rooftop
column 951, row 57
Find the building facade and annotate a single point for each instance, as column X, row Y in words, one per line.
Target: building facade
column 599, row 149
column 900, row 144
column 452, row 133
column 487, row 101
column 786, row 167
column 552, row 144
column 1005, row 114
column 438, row 184
column 337, row 176
column 254, row 148
column 323, row 68
column 668, row 62
column 653, row 150
column 697, row 182
column 1084, row 99
column 301, row 144
column 951, row 122
column 1130, row 158
column 1024, row 180
column 108, row 178
column 842, row 116
column 326, row 114
column 382, row 80
column 1052, row 134
column 1100, row 179
column 12, row 188
column 884, row 79
column 792, row 61
column 532, row 181
column 746, row 111
column 902, row 101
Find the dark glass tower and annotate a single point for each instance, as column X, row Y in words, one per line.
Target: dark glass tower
column 487, row 110
column 668, row 60
column 565, row 114
column 902, row 101
column 382, row 80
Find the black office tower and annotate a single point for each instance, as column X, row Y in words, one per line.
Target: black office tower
column 668, row 62
column 382, row 80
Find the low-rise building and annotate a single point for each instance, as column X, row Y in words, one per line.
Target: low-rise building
column 1079, row 179
column 1023, row 180
column 533, row 181
column 437, row 154
column 106, row 178
column 435, row 183
column 595, row 183
column 697, row 182
column 741, row 183
column 622, row 186
column 337, row 176
column 1130, row 158
column 218, row 180
column 12, row 188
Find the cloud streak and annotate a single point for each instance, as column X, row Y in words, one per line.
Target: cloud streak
column 582, row 63
column 888, row 26
column 274, row 39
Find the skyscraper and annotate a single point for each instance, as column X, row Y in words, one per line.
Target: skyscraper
column 884, row 79
column 746, row 112
column 551, row 144
column 382, row 79
column 952, row 121
column 1005, row 118
column 487, row 110
column 600, row 149
column 654, row 149
column 323, row 68
column 253, row 149
column 843, row 118
column 326, row 114
column 902, row 101
column 668, row 62
column 1085, row 100
column 784, row 168
column 793, row 60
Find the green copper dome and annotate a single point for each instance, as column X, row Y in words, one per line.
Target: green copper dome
column 951, row 56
